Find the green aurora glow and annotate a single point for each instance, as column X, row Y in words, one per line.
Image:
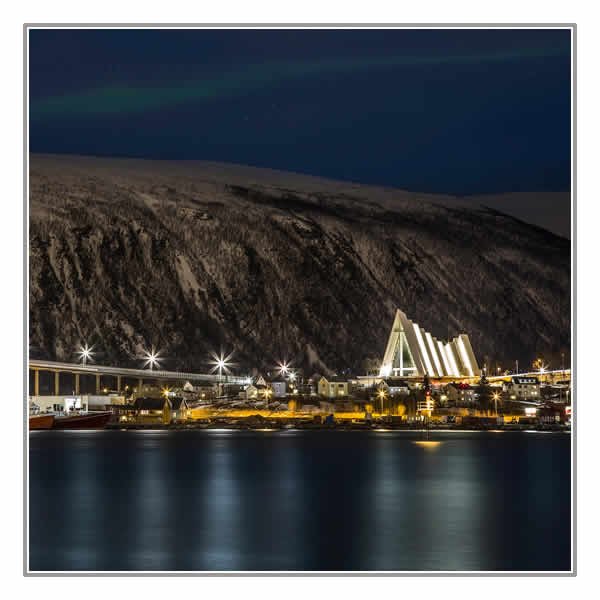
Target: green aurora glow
column 123, row 99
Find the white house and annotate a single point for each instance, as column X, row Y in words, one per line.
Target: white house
column 522, row 388
column 333, row 387
column 279, row 387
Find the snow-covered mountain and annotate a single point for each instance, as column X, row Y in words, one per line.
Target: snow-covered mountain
column 194, row 256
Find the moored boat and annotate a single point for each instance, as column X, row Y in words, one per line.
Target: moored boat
column 41, row 421
column 89, row 420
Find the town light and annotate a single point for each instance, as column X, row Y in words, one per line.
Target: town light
column 385, row 371
column 284, row 368
column 221, row 363
column 151, row 358
column 85, row 353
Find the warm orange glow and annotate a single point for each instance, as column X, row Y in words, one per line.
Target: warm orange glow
column 429, row 445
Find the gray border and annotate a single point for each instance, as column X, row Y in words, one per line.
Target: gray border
column 573, row 28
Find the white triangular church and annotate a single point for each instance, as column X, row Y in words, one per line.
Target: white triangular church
column 413, row 352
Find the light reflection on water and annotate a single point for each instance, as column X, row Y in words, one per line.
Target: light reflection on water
column 298, row 500
column 431, row 445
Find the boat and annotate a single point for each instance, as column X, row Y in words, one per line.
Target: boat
column 84, row 420
column 41, row 421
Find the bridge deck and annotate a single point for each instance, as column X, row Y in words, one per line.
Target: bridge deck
column 94, row 369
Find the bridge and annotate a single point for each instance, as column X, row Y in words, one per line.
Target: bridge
column 117, row 375
column 544, row 377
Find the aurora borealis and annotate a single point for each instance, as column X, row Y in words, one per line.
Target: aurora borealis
column 459, row 111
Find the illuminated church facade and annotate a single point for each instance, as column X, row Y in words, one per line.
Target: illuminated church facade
column 413, row 352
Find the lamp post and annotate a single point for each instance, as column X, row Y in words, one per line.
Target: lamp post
column 221, row 364
column 381, row 395
column 85, row 353
column 151, row 358
column 495, row 396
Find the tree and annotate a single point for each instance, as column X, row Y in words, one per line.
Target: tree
column 426, row 384
column 484, row 393
column 371, row 365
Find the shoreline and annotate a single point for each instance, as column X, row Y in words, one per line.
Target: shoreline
column 380, row 428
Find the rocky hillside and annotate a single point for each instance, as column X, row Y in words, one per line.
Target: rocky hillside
column 196, row 256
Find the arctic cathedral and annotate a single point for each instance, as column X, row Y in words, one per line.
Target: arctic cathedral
column 412, row 352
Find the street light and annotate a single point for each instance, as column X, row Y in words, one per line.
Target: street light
column 221, row 363
column 85, row 353
column 381, row 395
column 284, row 368
column 496, row 397
column 151, row 358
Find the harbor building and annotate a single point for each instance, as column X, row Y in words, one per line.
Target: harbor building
column 333, row 387
column 523, row 388
column 413, row 352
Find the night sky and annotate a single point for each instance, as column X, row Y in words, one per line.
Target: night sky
column 450, row 111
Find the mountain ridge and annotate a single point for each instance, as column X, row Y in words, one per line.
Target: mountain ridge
column 194, row 257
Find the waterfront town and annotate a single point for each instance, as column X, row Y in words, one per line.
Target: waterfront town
column 421, row 381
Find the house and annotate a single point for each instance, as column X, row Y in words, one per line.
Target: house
column 333, row 387
column 259, row 380
column 205, row 391
column 394, row 386
column 152, row 410
column 123, row 413
column 257, row 391
column 459, row 393
column 522, row 388
column 279, row 388
column 179, row 409
column 251, row 392
column 149, row 390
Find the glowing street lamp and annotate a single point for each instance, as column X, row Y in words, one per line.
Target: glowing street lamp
column 284, row 368
column 151, row 358
column 381, row 395
column 221, row 363
column 496, row 397
column 85, row 353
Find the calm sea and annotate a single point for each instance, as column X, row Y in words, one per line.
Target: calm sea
column 299, row 500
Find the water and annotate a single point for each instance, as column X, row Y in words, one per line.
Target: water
column 299, row 500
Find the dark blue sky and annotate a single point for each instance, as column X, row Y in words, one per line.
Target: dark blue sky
column 455, row 111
